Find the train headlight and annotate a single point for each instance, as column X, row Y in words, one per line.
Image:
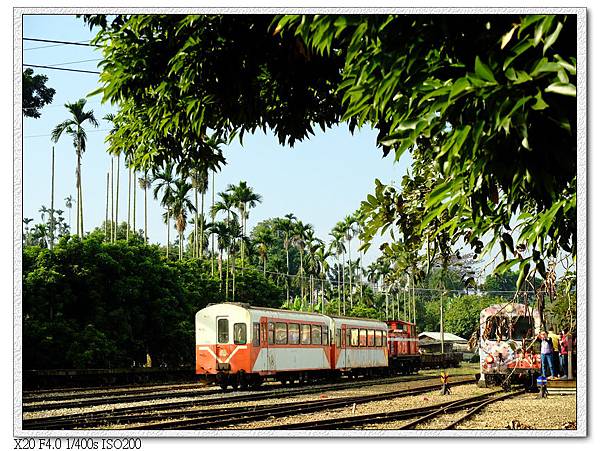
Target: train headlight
column 489, row 359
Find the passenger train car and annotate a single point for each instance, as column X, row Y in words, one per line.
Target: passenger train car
column 239, row 345
column 508, row 346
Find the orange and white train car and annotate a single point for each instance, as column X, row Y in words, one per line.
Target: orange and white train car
column 240, row 345
column 360, row 345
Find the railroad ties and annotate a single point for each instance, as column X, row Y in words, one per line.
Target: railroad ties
column 191, row 414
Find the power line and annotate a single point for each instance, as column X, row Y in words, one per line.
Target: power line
column 83, row 43
column 75, row 62
column 49, row 134
column 62, row 68
column 48, row 46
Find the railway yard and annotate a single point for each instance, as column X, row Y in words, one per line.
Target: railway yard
column 394, row 403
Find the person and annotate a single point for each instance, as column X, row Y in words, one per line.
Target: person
column 564, row 351
column 555, row 346
column 547, row 352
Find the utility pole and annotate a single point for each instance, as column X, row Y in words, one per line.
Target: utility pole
column 212, row 236
column 442, row 321
column 128, row 205
column 52, row 205
column 106, row 218
column 117, row 200
column 112, row 200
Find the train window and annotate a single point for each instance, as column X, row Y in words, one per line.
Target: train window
column 338, row 338
column 353, row 337
column 384, row 337
column 522, row 328
column 377, row 338
column 293, row 334
column 315, row 335
column 280, row 333
column 325, row 335
column 239, row 333
column 271, row 333
column 223, row 330
column 255, row 334
column 362, row 337
column 370, row 337
column 305, row 335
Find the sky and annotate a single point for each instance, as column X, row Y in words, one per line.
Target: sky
column 320, row 180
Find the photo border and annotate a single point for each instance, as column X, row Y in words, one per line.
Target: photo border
column 581, row 265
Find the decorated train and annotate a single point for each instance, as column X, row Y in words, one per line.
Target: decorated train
column 508, row 346
column 240, row 345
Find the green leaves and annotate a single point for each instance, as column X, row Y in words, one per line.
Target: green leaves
column 486, row 112
column 483, row 71
column 565, row 89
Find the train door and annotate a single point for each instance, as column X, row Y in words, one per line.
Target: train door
column 222, row 339
column 344, row 345
column 264, row 342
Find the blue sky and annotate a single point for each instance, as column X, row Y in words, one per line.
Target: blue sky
column 320, row 180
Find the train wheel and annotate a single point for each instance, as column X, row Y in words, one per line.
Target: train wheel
column 242, row 380
column 222, row 381
column 256, row 381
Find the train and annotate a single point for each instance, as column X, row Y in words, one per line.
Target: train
column 241, row 345
column 508, row 347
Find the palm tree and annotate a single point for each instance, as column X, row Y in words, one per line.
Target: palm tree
column 111, row 118
column 203, row 225
column 69, row 204
column 245, row 198
column 312, row 262
column 199, row 178
column 226, row 205
column 26, row 236
column 286, row 227
column 349, row 231
column 221, row 231
column 263, row 241
column 321, row 256
column 236, row 236
column 39, row 235
column 43, row 210
column 74, row 127
column 299, row 239
column 180, row 205
column 165, row 182
column 145, row 182
column 338, row 247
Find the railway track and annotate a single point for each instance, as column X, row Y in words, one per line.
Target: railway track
column 43, row 405
column 421, row 415
column 102, row 392
column 128, row 415
column 223, row 418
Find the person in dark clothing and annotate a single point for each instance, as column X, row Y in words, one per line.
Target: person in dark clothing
column 547, row 352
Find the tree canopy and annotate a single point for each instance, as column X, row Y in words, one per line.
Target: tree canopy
column 36, row 95
column 485, row 104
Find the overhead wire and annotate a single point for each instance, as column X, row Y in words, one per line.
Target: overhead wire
column 62, row 68
column 82, row 43
column 48, row 46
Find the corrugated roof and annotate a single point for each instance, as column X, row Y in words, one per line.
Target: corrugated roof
column 447, row 336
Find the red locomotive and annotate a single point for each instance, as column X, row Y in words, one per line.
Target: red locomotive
column 403, row 347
